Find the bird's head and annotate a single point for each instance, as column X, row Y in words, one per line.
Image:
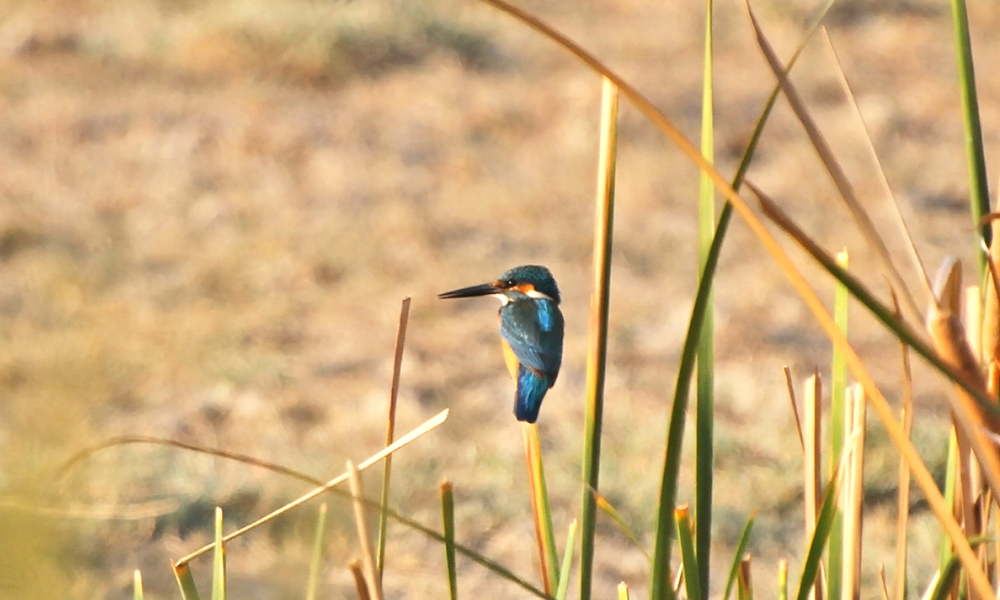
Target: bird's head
column 531, row 280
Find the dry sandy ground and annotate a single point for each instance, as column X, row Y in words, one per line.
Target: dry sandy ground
column 211, row 210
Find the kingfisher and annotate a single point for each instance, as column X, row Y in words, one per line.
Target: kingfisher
column 531, row 332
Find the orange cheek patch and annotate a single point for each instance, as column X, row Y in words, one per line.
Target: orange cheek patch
column 524, row 288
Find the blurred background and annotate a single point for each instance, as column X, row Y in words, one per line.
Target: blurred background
column 211, row 209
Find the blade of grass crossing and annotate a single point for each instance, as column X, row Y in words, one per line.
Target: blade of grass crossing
column 567, row 563
column 705, row 410
column 397, row 363
column 838, row 425
column 598, row 335
column 219, row 560
column 185, row 581
column 448, row 518
column 316, row 561
column 611, row 511
column 137, row 585
column 824, row 524
column 741, row 548
column 689, row 560
column 979, row 195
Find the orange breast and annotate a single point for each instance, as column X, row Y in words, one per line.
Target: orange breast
column 510, row 358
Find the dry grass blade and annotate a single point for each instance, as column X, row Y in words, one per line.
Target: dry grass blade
column 795, row 406
column 919, row 470
column 360, row 585
column 413, row 435
column 861, row 218
column 397, row 364
column 918, row 264
column 855, row 495
column 948, row 335
column 364, row 535
column 990, row 345
column 903, row 509
column 883, row 586
column 744, row 586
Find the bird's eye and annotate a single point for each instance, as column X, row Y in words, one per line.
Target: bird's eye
column 510, row 283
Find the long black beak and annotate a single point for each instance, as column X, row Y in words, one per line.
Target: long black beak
column 486, row 289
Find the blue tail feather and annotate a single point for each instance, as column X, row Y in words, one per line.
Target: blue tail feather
column 530, row 390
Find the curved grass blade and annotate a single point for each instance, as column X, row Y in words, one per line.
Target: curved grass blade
column 824, row 524
column 944, row 580
column 315, row 563
column 979, row 194
column 741, row 548
column 705, row 402
column 448, row 518
column 540, row 508
column 598, row 329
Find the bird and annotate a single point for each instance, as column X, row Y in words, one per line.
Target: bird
column 531, row 331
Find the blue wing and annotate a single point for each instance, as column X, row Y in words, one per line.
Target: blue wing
column 530, row 391
column 534, row 330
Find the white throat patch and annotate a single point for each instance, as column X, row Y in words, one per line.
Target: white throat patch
column 539, row 295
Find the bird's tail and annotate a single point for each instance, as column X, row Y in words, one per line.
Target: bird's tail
column 531, row 389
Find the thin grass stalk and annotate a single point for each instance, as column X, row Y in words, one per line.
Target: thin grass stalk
column 741, row 548
column 979, row 195
column 316, row 561
column 598, row 336
column 945, row 553
column 745, row 587
column 782, row 579
column 623, row 591
column 185, row 581
column 795, row 406
column 611, row 511
column 911, row 247
column 883, row 585
column 839, row 424
column 364, row 535
column 903, row 509
column 855, row 496
column 567, row 563
column 219, row 560
column 412, row 436
column 448, row 519
column 542, row 514
column 813, row 420
column 919, row 470
column 824, row 524
column 705, row 403
column 137, row 585
column 689, row 560
column 397, row 364
column 360, row 585
column 945, row 580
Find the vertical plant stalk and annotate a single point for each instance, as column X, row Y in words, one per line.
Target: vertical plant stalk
column 137, row 585
column 855, row 495
column 544, row 534
column 316, row 562
column 219, row 560
column 839, row 424
column 689, row 560
column 623, row 591
column 185, row 581
column 598, row 337
column 813, row 418
column 705, row 404
column 364, row 537
column 360, row 586
column 979, row 195
column 741, row 549
column 397, row 363
column 745, row 585
column 782, row 579
column 448, row 519
column 567, row 563
column 903, row 510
